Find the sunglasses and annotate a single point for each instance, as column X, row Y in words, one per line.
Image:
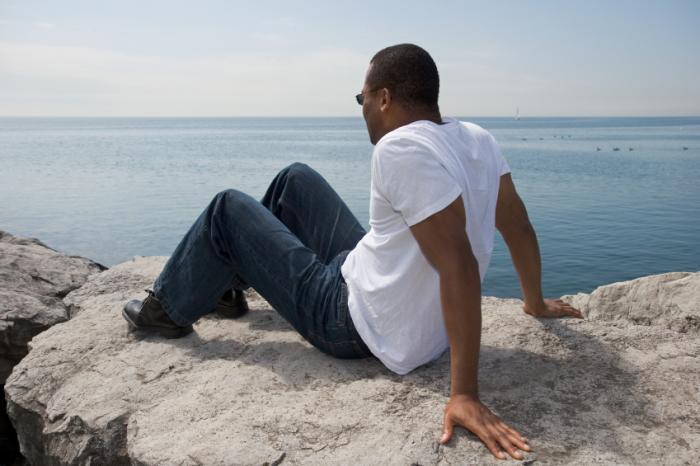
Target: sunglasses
column 361, row 96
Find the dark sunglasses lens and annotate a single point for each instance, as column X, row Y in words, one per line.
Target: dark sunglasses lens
column 360, row 98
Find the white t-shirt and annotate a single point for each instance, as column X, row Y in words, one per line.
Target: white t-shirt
column 393, row 291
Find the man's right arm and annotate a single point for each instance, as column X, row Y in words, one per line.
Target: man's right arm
column 514, row 225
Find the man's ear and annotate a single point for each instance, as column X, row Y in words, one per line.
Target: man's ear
column 386, row 100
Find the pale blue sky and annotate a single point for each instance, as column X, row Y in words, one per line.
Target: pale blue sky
column 221, row 58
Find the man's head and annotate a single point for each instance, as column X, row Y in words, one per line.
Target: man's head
column 401, row 86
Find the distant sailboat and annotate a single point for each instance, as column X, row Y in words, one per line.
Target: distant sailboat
column 517, row 113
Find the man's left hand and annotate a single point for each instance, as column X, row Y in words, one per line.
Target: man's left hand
column 553, row 308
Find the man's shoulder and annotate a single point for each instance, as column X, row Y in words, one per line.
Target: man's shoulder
column 476, row 130
column 403, row 139
column 418, row 135
column 422, row 136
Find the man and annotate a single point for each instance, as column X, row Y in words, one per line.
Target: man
column 403, row 292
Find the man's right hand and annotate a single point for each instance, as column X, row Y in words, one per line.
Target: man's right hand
column 470, row 413
column 552, row 308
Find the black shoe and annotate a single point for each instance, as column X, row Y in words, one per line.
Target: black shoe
column 150, row 316
column 232, row 304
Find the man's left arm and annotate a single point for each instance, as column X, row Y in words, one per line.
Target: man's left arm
column 444, row 242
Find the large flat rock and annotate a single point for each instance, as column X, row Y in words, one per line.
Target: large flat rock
column 252, row 391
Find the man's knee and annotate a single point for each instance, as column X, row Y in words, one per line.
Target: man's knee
column 232, row 199
column 228, row 194
column 297, row 169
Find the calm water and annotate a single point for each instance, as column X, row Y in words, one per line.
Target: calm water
column 112, row 188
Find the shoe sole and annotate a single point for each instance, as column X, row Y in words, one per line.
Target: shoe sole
column 162, row 331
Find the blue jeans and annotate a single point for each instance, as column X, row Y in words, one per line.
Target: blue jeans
column 289, row 247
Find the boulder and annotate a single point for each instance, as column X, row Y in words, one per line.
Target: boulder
column 671, row 300
column 252, row 391
column 33, row 281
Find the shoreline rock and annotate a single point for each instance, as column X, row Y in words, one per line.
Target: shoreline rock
column 34, row 279
column 252, row 391
column 671, row 300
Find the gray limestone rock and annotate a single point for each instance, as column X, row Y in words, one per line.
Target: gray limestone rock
column 33, row 281
column 671, row 300
column 252, row 391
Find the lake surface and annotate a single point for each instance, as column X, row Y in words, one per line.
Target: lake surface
column 113, row 188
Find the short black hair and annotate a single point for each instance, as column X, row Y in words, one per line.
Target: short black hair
column 409, row 72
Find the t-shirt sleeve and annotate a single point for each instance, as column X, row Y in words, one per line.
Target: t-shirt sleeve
column 503, row 167
column 412, row 180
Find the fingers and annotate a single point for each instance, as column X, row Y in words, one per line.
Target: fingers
column 565, row 309
column 508, row 439
column 504, row 442
column 498, row 441
column 497, row 436
column 493, row 447
column 568, row 310
column 512, row 441
column 515, row 437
